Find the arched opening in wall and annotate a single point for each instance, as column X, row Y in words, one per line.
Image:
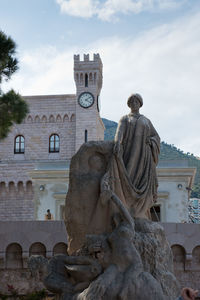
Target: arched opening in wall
column 95, row 78
column 20, row 187
column 44, row 119
column 14, row 256
column 51, row 119
column 196, row 256
column 86, row 80
column 11, row 187
column 37, row 119
column 29, row 191
column 19, row 146
column 81, row 78
column 58, row 119
column 3, row 189
column 37, row 249
column 178, row 257
column 77, row 77
column 29, row 119
column 90, row 78
column 73, row 118
column 86, row 135
column 155, row 213
column 60, row 248
column 29, row 187
column 66, row 118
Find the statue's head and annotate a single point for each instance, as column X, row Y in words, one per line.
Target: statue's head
column 134, row 96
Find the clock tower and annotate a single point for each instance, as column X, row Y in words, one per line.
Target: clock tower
column 88, row 79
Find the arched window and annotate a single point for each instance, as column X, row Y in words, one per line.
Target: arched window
column 86, row 135
column 86, row 80
column 19, row 144
column 54, row 143
column 81, row 78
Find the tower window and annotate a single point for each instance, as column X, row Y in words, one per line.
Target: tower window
column 54, row 143
column 86, row 136
column 19, row 145
column 86, row 80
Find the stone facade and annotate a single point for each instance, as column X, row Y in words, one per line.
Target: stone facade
column 49, row 115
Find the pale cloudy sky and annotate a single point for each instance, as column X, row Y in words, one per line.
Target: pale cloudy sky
column 147, row 46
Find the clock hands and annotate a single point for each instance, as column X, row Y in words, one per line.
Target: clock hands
column 88, row 99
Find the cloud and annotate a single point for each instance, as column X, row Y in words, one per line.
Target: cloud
column 162, row 65
column 78, row 8
column 44, row 71
column 107, row 10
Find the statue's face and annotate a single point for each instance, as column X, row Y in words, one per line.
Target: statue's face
column 135, row 104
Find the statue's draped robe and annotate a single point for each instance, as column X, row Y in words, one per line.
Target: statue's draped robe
column 131, row 174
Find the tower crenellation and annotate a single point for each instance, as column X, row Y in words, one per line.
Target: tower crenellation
column 88, row 70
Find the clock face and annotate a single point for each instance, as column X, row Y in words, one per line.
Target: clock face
column 86, row 99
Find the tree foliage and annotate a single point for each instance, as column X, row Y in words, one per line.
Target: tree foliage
column 8, row 61
column 13, row 108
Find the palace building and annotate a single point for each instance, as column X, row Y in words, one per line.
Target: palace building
column 34, row 158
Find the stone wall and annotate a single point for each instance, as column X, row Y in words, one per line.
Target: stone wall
column 184, row 240
column 18, row 240
column 20, row 279
column 16, row 192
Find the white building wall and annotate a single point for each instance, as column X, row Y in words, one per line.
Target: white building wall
column 173, row 193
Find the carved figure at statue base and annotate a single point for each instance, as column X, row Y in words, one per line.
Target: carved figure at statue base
column 114, row 251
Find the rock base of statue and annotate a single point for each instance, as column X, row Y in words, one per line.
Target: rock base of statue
column 112, row 255
column 120, row 265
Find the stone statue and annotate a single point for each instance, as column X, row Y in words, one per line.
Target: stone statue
column 132, row 172
column 113, row 252
column 110, row 266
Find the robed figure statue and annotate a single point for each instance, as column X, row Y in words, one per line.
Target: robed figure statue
column 131, row 173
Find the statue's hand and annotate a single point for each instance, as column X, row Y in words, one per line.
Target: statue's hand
column 116, row 148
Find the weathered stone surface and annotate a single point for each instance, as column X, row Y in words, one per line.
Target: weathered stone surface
column 156, row 254
column 84, row 214
column 21, row 280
